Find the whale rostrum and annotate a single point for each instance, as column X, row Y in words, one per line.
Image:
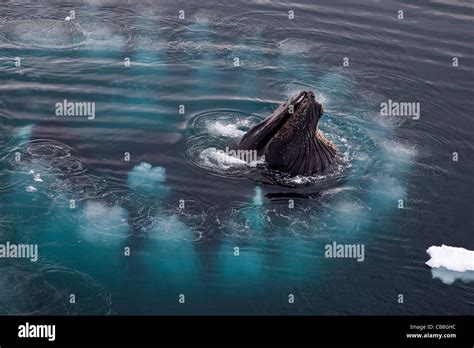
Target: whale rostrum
column 290, row 139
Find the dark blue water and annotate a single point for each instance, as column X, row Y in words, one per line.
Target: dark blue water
column 280, row 225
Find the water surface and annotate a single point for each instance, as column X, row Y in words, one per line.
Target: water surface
column 190, row 65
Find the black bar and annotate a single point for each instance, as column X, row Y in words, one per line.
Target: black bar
column 292, row 330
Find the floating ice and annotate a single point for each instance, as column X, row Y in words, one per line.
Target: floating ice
column 146, row 177
column 31, row 189
column 451, row 258
column 37, row 177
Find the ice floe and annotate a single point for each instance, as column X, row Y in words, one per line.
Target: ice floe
column 452, row 258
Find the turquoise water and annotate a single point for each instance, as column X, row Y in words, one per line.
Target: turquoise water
column 159, row 213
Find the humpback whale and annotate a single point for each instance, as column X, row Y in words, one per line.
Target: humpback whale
column 290, row 139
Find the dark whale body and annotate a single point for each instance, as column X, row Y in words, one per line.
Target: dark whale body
column 290, row 139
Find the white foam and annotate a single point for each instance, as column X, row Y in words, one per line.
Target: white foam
column 398, row 151
column 202, row 17
column 452, row 258
column 227, row 130
column 103, row 220
column 213, row 157
column 301, row 179
column 45, row 33
column 168, row 227
column 296, row 46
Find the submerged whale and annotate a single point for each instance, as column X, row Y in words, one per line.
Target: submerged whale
column 290, row 139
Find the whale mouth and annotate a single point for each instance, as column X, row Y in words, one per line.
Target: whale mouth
column 294, row 108
column 290, row 139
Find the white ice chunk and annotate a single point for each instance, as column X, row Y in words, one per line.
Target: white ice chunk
column 31, row 189
column 452, row 258
column 37, row 177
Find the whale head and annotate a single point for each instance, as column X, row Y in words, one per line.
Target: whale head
column 290, row 139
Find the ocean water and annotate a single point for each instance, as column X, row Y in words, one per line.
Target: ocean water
column 149, row 174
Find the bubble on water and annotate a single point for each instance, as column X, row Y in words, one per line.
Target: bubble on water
column 258, row 197
column 22, row 135
column 202, row 17
column 223, row 123
column 168, row 227
column 398, row 151
column 226, row 130
column 215, row 155
column 335, row 83
column 219, row 159
column 247, row 222
column 350, row 213
column 103, row 35
column 101, row 222
column 251, row 54
column 79, row 188
column 300, row 46
column 46, row 291
column 388, row 187
column 172, row 221
column 146, row 178
column 272, row 220
column 48, row 149
column 53, row 169
column 44, row 33
column 332, row 175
